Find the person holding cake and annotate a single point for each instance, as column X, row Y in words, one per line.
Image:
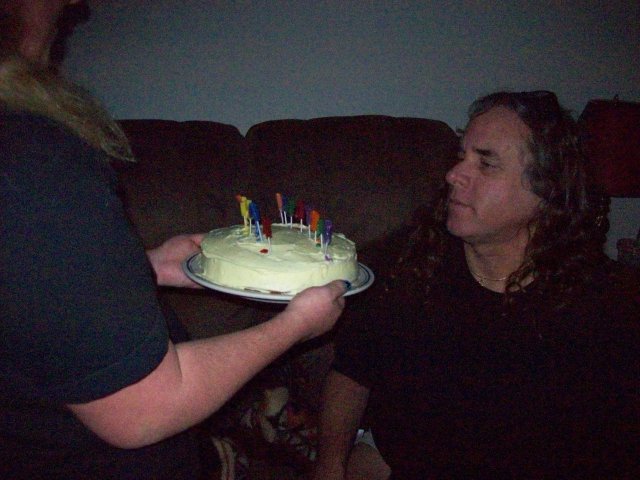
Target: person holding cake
column 505, row 344
column 97, row 379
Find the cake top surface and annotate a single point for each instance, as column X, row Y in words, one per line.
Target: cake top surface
column 289, row 245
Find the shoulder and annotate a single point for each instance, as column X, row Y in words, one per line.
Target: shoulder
column 35, row 125
column 33, row 143
column 608, row 299
column 24, row 135
column 613, row 282
column 32, row 129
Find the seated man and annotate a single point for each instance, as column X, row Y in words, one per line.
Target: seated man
column 503, row 346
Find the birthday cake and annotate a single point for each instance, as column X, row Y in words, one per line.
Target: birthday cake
column 290, row 260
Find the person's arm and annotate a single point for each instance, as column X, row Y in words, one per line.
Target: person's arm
column 343, row 405
column 196, row 378
column 166, row 260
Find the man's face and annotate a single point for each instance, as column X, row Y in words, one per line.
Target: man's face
column 489, row 202
column 36, row 26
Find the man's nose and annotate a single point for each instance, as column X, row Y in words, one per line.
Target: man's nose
column 457, row 176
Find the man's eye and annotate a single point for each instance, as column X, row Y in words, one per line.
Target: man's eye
column 485, row 164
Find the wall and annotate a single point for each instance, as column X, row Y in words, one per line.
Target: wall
column 242, row 62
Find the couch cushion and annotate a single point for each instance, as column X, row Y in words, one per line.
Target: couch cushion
column 368, row 174
column 183, row 176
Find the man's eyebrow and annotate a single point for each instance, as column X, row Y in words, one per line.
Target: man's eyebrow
column 485, row 152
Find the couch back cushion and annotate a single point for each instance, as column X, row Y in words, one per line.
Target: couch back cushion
column 183, row 176
column 368, row 174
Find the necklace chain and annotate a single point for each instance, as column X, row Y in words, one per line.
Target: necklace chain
column 481, row 280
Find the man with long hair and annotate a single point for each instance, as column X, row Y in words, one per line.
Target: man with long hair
column 97, row 380
column 503, row 345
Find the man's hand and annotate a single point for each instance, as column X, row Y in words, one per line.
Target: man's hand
column 167, row 259
column 316, row 309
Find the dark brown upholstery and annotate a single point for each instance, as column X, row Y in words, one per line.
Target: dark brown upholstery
column 368, row 174
column 183, row 176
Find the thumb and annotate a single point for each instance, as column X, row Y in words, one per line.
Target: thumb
column 197, row 238
column 339, row 287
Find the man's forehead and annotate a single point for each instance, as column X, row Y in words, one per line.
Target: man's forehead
column 499, row 123
column 499, row 131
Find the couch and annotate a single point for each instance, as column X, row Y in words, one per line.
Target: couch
column 369, row 174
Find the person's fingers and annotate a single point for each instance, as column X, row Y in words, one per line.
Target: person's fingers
column 339, row 287
column 197, row 238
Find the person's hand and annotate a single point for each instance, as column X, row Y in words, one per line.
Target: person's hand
column 166, row 260
column 317, row 309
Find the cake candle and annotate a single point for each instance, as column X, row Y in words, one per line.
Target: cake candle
column 307, row 218
column 242, row 201
column 280, row 208
column 299, row 213
column 266, row 228
column 291, row 207
column 315, row 217
column 320, row 231
column 328, row 233
column 247, row 221
column 255, row 215
column 285, row 200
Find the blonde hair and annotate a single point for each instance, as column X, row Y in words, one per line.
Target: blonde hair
column 25, row 87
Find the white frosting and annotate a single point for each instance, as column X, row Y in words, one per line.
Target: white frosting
column 234, row 258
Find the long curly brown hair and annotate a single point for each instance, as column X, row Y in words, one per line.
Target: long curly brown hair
column 568, row 232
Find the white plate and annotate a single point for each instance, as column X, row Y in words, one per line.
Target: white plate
column 192, row 266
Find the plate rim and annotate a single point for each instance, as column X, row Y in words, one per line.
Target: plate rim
column 263, row 296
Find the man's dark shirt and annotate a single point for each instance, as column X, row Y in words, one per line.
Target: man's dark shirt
column 462, row 390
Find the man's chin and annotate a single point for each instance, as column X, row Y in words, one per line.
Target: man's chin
column 457, row 229
column 465, row 233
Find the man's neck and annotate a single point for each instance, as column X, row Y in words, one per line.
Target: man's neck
column 491, row 265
